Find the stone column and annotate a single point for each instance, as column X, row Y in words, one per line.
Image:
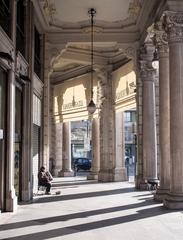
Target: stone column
column 164, row 112
column 174, row 28
column 148, row 117
column 95, row 150
column 139, row 157
column 106, row 118
column 66, row 151
column 120, row 169
column 46, row 114
column 58, row 148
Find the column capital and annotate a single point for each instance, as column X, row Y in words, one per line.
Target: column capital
column 147, row 72
column 146, row 52
column 160, row 38
column 173, row 22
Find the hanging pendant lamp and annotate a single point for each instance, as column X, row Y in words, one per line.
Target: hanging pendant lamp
column 91, row 106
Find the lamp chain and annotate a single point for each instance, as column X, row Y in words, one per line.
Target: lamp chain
column 92, row 12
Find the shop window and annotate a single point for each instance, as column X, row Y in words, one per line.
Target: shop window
column 5, row 16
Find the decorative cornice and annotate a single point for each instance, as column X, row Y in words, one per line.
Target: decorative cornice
column 173, row 22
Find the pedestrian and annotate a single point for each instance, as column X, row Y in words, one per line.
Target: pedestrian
column 44, row 179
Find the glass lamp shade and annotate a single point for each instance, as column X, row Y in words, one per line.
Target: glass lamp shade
column 91, row 107
column 155, row 64
column 155, row 61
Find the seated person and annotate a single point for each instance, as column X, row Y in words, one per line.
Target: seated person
column 44, row 179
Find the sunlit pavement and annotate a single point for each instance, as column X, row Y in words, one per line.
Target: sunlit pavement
column 92, row 211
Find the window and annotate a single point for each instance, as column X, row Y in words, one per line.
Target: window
column 127, row 116
column 37, row 53
column 20, row 29
column 5, row 16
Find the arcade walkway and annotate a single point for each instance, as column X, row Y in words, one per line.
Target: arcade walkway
column 92, row 211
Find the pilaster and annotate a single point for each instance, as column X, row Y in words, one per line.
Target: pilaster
column 11, row 198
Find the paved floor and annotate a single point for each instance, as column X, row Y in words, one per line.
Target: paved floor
column 92, row 211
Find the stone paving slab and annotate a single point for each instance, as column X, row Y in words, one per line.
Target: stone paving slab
column 92, row 211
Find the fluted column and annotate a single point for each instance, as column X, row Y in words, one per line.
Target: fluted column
column 164, row 111
column 95, row 150
column 66, row 151
column 120, row 169
column 174, row 28
column 148, row 117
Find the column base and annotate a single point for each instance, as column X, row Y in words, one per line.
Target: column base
column 120, row 175
column 56, row 171
column 106, row 176
column 138, row 180
column 11, row 201
column 161, row 194
column 63, row 173
column 92, row 176
column 173, row 201
column 27, row 194
column 141, row 184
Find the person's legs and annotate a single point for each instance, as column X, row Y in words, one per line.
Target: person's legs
column 48, row 187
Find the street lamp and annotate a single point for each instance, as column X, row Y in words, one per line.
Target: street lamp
column 91, row 106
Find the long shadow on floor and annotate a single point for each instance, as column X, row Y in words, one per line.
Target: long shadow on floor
column 141, row 214
column 61, row 184
column 81, row 195
column 72, row 216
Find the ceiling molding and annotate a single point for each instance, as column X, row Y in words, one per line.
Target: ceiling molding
column 64, row 38
column 62, row 16
column 55, row 80
column 39, row 13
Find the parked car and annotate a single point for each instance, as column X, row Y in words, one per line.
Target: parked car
column 82, row 164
